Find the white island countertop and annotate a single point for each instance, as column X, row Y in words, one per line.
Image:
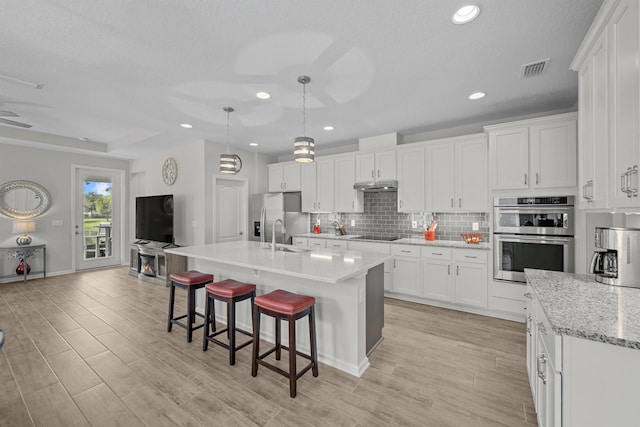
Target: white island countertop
column 323, row 265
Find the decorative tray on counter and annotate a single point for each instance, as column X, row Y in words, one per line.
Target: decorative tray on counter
column 472, row 237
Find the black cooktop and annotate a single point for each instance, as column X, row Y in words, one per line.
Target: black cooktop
column 382, row 238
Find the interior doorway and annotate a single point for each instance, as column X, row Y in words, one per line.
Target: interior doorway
column 230, row 209
column 98, row 217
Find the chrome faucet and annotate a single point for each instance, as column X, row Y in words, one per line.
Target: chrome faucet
column 273, row 233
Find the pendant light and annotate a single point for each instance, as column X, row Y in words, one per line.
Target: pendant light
column 229, row 163
column 304, row 146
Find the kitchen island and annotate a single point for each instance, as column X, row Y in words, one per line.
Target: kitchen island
column 583, row 350
column 347, row 285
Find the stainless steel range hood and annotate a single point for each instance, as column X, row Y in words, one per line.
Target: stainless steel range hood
column 371, row 186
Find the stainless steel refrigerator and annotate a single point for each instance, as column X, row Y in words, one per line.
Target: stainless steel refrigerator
column 267, row 207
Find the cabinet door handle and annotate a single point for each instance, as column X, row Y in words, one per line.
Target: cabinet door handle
column 542, row 360
column 449, row 270
column 537, row 178
column 318, row 205
column 632, row 192
column 378, row 173
column 372, row 176
column 623, row 183
column 452, row 202
column 394, row 263
column 400, row 203
column 460, row 202
column 528, row 295
column 529, row 319
column 457, row 270
column 525, row 178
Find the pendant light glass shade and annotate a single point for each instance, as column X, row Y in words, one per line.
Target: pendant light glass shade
column 304, row 149
column 229, row 163
column 304, row 146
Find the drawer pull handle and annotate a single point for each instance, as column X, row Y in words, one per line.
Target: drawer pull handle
column 436, row 253
column 528, row 295
column 405, row 252
column 469, row 256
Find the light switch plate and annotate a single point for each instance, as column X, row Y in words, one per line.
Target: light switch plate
column 353, row 222
column 474, row 226
column 414, row 224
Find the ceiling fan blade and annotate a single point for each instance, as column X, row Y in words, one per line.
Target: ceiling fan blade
column 12, row 123
column 8, row 114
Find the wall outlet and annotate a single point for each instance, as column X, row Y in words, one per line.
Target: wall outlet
column 474, row 226
column 414, row 224
column 353, row 222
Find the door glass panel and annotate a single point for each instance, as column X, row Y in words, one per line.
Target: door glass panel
column 97, row 218
column 517, row 256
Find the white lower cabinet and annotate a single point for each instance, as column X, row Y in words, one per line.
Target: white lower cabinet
column 470, row 281
column 406, row 270
column 436, row 274
column 455, row 275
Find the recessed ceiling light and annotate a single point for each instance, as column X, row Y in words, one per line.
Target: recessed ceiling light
column 328, row 128
column 253, row 144
column 263, row 95
column 186, row 125
column 477, row 95
column 466, row 14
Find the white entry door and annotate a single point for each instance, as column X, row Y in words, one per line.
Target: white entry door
column 98, row 218
column 230, row 210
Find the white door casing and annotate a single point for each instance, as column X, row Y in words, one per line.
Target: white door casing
column 111, row 240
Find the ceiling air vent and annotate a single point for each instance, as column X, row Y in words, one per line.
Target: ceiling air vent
column 534, row 68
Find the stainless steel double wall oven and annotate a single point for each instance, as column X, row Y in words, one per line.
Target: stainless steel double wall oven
column 532, row 232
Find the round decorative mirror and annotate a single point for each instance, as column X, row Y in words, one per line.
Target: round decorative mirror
column 23, row 199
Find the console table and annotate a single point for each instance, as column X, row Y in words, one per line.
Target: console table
column 36, row 253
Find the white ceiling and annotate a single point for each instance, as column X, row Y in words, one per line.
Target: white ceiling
column 125, row 74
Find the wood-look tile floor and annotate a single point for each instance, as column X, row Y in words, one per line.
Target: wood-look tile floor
column 91, row 348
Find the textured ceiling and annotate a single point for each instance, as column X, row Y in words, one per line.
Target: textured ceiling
column 125, row 74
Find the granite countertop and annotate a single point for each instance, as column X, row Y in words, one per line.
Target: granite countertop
column 577, row 305
column 322, row 265
column 405, row 241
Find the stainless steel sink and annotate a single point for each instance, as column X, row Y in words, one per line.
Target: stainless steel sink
column 287, row 248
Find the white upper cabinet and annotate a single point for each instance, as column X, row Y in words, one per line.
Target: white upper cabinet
column 593, row 131
column 625, row 69
column 457, row 175
column 309, row 193
column 411, row 179
column 346, row 198
column 325, row 179
column 533, row 154
column 376, row 166
column 284, row 177
column 609, row 105
column 509, row 158
column 318, row 186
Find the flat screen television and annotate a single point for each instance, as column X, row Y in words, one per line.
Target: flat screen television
column 154, row 218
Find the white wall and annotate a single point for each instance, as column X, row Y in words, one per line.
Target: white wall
column 52, row 170
column 194, row 190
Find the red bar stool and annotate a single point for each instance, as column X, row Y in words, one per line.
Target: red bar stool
column 283, row 305
column 191, row 281
column 229, row 291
